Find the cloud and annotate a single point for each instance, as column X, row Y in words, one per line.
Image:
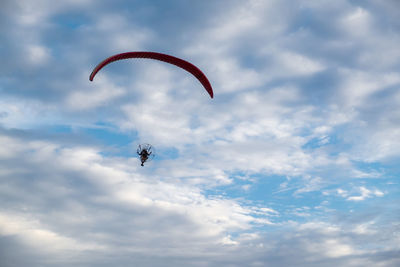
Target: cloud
column 365, row 193
column 117, row 210
column 105, row 93
column 122, row 191
column 37, row 54
column 277, row 169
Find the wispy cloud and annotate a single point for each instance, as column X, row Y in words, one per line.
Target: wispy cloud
column 366, row 193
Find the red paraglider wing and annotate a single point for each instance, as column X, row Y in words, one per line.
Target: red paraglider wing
column 162, row 57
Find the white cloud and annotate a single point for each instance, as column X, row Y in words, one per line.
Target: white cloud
column 23, row 114
column 365, row 229
column 118, row 33
column 366, row 193
column 312, row 184
column 359, row 85
column 332, row 248
column 116, row 184
column 101, row 93
column 33, row 233
column 37, row 54
column 293, row 64
column 357, row 23
column 341, row 192
column 117, row 209
column 302, row 91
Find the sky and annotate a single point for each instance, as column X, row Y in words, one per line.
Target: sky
column 294, row 162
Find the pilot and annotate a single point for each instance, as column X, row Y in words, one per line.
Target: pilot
column 144, row 155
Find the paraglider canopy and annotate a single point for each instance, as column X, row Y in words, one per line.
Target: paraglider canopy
column 189, row 67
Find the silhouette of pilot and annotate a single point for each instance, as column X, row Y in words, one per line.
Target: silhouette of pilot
column 144, row 155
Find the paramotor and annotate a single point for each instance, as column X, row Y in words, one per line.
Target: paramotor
column 146, row 153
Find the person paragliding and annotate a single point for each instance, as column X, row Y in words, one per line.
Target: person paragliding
column 144, row 155
column 145, row 152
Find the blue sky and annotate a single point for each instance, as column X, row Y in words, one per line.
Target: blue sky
column 293, row 163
